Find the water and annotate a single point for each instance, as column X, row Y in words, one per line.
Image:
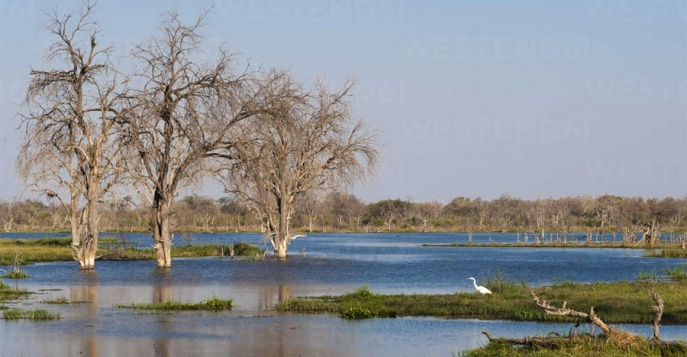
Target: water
column 321, row 264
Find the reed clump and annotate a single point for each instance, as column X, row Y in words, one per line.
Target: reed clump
column 209, row 304
column 36, row 315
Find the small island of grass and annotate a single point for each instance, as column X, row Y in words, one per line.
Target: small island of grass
column 210, row 304
column 617, row 302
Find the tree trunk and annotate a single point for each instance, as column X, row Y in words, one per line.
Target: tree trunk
column 279, row 224
column 83, row 250
column 280, row 247
column 161, row 234
column 652, row 234
column 90, row 241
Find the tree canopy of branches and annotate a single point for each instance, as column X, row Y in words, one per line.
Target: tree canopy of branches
column 182, row 108
column 304, row 141
column 69, row 120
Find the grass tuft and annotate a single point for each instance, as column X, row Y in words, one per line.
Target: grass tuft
column 210, row 304
column 38, row 314
column 18, row 274
column 57, row 301
column 666, row 253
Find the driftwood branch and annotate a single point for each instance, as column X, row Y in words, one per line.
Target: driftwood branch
column 564, row 311
column 658, row 308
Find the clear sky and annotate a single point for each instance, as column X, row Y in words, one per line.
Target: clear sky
column 472, row 98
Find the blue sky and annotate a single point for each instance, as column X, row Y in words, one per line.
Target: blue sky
column 472, row 98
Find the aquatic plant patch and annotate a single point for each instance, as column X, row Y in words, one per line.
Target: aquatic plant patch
column 210, row 304
column 37, row 314
column 618, row 302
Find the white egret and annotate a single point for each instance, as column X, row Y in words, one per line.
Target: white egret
column 480, row 288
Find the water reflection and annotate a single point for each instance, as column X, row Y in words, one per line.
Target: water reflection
column 162, row 290
column 162, row 293
column 87, row 295
column 335, row 264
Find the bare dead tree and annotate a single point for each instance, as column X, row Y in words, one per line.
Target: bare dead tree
column 305, row 140
column 69, row 118
column 184, row 107
column 426, row 211
column 652, row 233
column 309, row 204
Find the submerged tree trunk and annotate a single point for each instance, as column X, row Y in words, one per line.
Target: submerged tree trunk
column 652, row 235
column 161, row 232
column 280, row 243
column 84, row 244
column 279, row 223
column 90, row 240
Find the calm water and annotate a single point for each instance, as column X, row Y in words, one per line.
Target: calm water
column 318, row 265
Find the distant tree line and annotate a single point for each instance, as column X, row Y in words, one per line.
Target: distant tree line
column 344, row 212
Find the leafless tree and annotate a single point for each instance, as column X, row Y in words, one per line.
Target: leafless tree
column 184, row 107
column 305, row 140
column 69, row 152
column 309, row 204
column 344, row 209
column 426, row 211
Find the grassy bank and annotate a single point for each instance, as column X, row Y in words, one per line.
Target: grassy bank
column 584, row 345
column 616, row 303
column 59, row 249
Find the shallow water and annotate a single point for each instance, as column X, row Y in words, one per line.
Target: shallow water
column 320, row 264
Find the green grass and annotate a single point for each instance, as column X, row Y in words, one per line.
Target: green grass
column 57, row 301
column 615, row 303
column 35, row 250
column 59, row 249
column 38, row 314
column 678, row 273
column 666, row 253
column 582, row 346
column 7, row 293
column 210, row 304
column 125, row 253
column 216, row 250
column 15, row 275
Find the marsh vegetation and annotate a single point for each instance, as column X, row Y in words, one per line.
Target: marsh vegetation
column 25, row 251
column 617, row 302
column 209, row 304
